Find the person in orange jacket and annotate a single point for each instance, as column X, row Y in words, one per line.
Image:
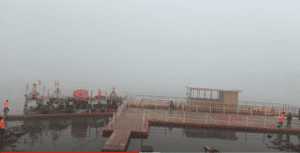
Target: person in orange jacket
column 6, row 107
column 280, row 123
column 2, row 127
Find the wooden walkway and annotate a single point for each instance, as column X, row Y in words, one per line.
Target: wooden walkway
column 131, row 122
column 47, row 116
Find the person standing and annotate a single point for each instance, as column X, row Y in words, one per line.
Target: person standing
column 6, row 110
column 2, row 127
column 171, row 107
column 280, row 123
column 289, row 120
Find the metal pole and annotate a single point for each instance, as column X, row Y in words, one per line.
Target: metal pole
column 109, row 123
column 113, row 117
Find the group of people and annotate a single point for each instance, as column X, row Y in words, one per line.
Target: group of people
column 289, row 120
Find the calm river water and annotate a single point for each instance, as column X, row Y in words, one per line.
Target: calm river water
column 85, row 134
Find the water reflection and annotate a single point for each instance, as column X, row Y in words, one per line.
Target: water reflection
column 180, row 139
column 57, row 135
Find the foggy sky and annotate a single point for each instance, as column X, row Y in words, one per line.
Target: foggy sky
column 151, row 47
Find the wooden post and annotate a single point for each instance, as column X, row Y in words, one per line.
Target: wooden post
column 206, row 119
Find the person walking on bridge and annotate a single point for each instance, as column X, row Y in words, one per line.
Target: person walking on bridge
column 280, row 123
column 6, row 110
column 289, row 120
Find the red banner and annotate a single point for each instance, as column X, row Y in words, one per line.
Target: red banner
column 99, row 92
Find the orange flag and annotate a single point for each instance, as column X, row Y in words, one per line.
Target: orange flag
column 40, row 82
column 99, row 93
column 44, row 88
column 27, row 88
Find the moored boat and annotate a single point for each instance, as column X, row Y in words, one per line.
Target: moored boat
column 33, row 103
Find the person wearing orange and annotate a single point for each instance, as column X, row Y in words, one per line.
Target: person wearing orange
column 280, row 123
column 2, row 127
column 6, row 107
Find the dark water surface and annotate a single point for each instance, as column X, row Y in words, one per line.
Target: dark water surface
column 85, row 134
column 74, row 134
column 180, row 139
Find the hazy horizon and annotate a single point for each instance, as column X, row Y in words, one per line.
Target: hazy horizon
column 151, row 47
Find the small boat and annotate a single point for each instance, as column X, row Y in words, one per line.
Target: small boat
column 57, row 104
column 33, row 103
column 80, row 101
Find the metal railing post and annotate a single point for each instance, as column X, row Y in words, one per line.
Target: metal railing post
column 109, row 123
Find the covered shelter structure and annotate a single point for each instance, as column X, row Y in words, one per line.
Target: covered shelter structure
column 215, row 99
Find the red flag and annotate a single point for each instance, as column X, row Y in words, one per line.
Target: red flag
column 44, row 88
column 27, row 88
column 40, row 82
column 48, row 91
column 55, row 84
column 99, row 92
